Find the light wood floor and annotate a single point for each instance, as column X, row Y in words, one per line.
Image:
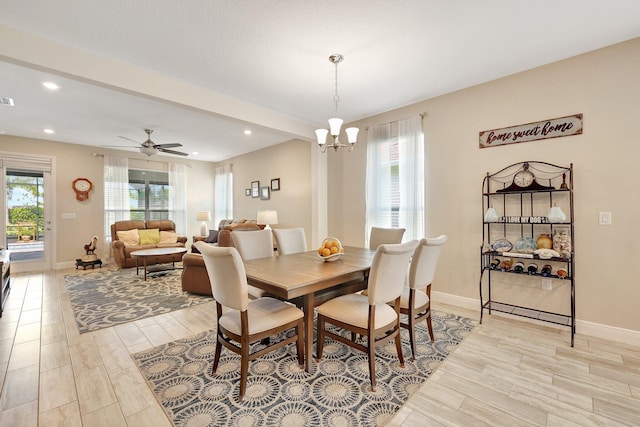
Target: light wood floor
column 506, row 372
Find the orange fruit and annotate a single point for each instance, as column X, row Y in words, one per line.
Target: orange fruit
column 327, row 244
column 334, row 250
column 326, row 252
column 320, row 251
column 334, row 244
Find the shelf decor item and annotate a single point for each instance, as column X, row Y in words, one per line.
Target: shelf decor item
column 501, row 245
column 525, row 245
column 491, row 215
column 556, row 215
column 544, row 241
column 562, row 242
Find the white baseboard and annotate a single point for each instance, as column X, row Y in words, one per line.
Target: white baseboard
column 583, row 327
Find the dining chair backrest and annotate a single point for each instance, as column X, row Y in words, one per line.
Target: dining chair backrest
column 226, row 275
column 424, row 261
column 290, row 240
column 388, row 271
column 379, row 235
column 253, row 244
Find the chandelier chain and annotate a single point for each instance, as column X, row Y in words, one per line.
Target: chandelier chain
column 336, row 98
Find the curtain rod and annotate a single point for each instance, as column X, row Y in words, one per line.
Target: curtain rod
column 422, row 115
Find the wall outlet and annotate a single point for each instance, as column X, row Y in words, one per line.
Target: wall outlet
column 547, row 284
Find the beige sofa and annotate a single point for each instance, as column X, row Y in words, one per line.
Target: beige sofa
column 125, row 243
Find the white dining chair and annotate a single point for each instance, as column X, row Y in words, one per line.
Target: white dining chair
column 379, row 235
column 415, row 301
column 253, row 244
column 290, row 240
column 370, row 315
column 241, row 321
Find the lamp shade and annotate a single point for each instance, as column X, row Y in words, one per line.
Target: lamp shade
column 321, row 134
column 334, row 125
column 203, row 216
column 352, row 134
column 267, row 218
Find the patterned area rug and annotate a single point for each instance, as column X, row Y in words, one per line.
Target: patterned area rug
column 336, row 393
column 110, row 297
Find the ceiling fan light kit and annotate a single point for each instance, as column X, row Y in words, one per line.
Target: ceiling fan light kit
column 335, row 123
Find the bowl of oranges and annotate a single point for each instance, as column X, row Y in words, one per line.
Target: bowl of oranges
column 331, row 249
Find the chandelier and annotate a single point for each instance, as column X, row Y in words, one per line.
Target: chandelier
column 335, row 123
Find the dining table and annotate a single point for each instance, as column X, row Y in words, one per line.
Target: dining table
column 307, row 280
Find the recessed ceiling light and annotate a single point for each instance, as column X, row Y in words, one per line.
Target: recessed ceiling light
column 49, row 131
column 195, row 153
column 51, row 85
column 247, row 132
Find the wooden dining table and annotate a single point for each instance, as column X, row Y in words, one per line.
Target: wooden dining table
column 307, row 280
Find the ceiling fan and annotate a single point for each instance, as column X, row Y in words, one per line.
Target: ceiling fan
column 150, row 148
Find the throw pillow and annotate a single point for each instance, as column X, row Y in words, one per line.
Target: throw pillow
column 212, row 237
column 149, row 236
column 129, row 237
column 168, row 237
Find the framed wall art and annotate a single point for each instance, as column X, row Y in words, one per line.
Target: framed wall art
column 265, row 193
column 247, row 191
column 275, row 184
column 255, row 189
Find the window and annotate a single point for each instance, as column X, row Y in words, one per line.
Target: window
column 148, row 195
column 395, row 177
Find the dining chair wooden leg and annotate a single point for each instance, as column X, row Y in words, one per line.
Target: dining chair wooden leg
column 412, row 333
column 216, row 357
column 430, row 326
column 399, row 350
column 244, row 370
column 371, row 347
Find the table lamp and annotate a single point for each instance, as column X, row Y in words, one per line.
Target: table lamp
column 267, row 218
column 204, row 216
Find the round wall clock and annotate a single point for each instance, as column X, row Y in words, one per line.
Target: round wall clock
column 82, row 186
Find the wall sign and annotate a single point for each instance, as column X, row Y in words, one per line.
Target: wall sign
column 552, row 128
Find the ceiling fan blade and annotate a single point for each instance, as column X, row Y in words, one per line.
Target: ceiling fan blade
column 129, row 139
column 164, row 150
column 168, row 145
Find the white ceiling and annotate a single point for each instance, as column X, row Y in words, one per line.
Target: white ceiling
column 263, row 64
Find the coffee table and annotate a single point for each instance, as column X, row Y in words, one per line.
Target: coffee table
column 145, row 254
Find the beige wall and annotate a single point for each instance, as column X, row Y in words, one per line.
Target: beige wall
column 73, row 161
column 603, row 86
column 289, row 161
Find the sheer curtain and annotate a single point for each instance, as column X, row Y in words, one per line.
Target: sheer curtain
column 116, row 195
column 178, row 197
column 223, row 193
column 395, row 177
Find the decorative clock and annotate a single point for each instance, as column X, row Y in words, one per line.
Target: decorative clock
column 524, row 180
column 82, row 187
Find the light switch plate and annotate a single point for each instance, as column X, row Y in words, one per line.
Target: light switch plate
column 605, row 218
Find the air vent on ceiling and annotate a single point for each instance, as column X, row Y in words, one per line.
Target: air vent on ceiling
column 5, row 100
